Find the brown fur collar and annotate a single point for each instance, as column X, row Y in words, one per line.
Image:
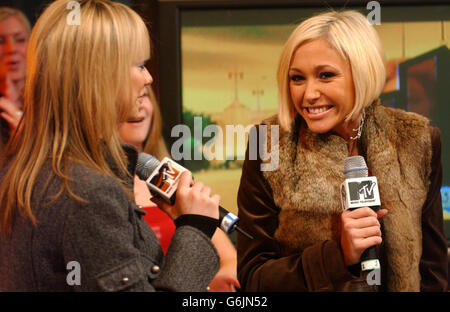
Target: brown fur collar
column 397, row 148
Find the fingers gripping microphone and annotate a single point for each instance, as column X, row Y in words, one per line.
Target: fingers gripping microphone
column 162, row 180
column 359, row 190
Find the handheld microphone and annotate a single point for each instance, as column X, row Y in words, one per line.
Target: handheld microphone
column 162, row 180
column 359, row 190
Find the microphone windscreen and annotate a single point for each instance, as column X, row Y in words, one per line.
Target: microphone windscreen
column 146, row 164
column 355, row 167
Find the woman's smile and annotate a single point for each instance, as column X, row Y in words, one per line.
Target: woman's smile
column 317, row 112
column 321, row 87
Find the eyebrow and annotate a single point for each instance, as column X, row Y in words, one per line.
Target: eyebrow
column 20, row 33
column 318, row 67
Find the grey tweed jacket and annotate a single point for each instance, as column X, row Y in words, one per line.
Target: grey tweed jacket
column 102, row 244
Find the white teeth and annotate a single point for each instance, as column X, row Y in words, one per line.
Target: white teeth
column 317, row 110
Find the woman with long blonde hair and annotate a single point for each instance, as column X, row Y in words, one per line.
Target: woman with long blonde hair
column 66, row 181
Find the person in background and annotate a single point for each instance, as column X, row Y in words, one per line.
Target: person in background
column 144, row 131
column 14, row 33
column 330, row 76
column 68, row 220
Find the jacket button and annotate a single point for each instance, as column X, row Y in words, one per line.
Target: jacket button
column 125, row 280
column 155, row 269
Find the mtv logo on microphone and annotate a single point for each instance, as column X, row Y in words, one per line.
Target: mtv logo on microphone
column 360, row 192
column 363, row 190
column 164, row 180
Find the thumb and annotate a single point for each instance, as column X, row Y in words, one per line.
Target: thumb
column 381, row 213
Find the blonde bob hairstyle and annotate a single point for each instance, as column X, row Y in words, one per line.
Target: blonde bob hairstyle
column 77, row 91
column 356, row 41
column 6, row 12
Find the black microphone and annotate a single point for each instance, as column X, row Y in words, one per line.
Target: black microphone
column 162, row 180
column 359, row 190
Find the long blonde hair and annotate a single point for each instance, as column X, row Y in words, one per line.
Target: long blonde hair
column 77, row 91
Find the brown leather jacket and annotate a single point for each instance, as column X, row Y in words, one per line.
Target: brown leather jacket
column 264, row 264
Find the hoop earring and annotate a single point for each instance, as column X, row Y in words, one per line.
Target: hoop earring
column 359, row 129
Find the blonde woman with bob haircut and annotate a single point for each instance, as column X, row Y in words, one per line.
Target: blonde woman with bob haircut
column 66, row 182
column 330, row 76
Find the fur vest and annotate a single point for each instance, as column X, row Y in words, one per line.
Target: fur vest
column 397, row 148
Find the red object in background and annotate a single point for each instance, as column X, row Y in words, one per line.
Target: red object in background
column 161, row 224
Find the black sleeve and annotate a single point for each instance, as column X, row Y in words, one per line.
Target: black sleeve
column 203, row 223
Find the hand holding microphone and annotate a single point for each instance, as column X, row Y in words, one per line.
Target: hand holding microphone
column 361, row 230
column 163, row 181
column 192, row 198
